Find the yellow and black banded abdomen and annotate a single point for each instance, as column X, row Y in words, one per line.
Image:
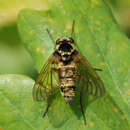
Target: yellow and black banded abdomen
column 67, row 83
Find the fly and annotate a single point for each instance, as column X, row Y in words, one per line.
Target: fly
column 72, row 70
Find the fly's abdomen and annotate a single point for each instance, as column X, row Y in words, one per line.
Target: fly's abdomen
column 67, row 83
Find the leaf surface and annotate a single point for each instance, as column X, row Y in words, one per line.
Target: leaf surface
column 101, row 41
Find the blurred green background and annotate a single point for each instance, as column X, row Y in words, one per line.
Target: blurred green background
column 14, row 58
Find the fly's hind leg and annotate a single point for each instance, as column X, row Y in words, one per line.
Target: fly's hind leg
column 81, row 105
column 49, row 102
column 47, row 108
column 97, row 69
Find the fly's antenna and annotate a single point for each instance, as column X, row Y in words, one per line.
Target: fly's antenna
column 72, row 32
column 50, row 35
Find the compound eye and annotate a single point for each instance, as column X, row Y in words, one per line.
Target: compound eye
column 71, row 39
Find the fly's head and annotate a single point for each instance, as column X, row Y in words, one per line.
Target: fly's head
column 64, row 48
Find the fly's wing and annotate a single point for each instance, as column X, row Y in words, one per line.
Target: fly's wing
column 89, row 78
column 44, row 85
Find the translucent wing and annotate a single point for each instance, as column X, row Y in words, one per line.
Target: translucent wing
column 44, row 85
column 89, row 79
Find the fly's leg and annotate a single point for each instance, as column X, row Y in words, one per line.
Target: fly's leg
column 48, row 105
column 97, row 69
column 81, row 105
column 47, row 108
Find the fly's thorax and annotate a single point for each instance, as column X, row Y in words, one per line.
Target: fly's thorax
column 65, row 49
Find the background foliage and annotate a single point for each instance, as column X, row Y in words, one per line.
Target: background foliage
column 14, row 58
column 113, row 109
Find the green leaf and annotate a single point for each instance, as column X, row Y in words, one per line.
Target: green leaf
column 101, row 41
column 17, row 109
